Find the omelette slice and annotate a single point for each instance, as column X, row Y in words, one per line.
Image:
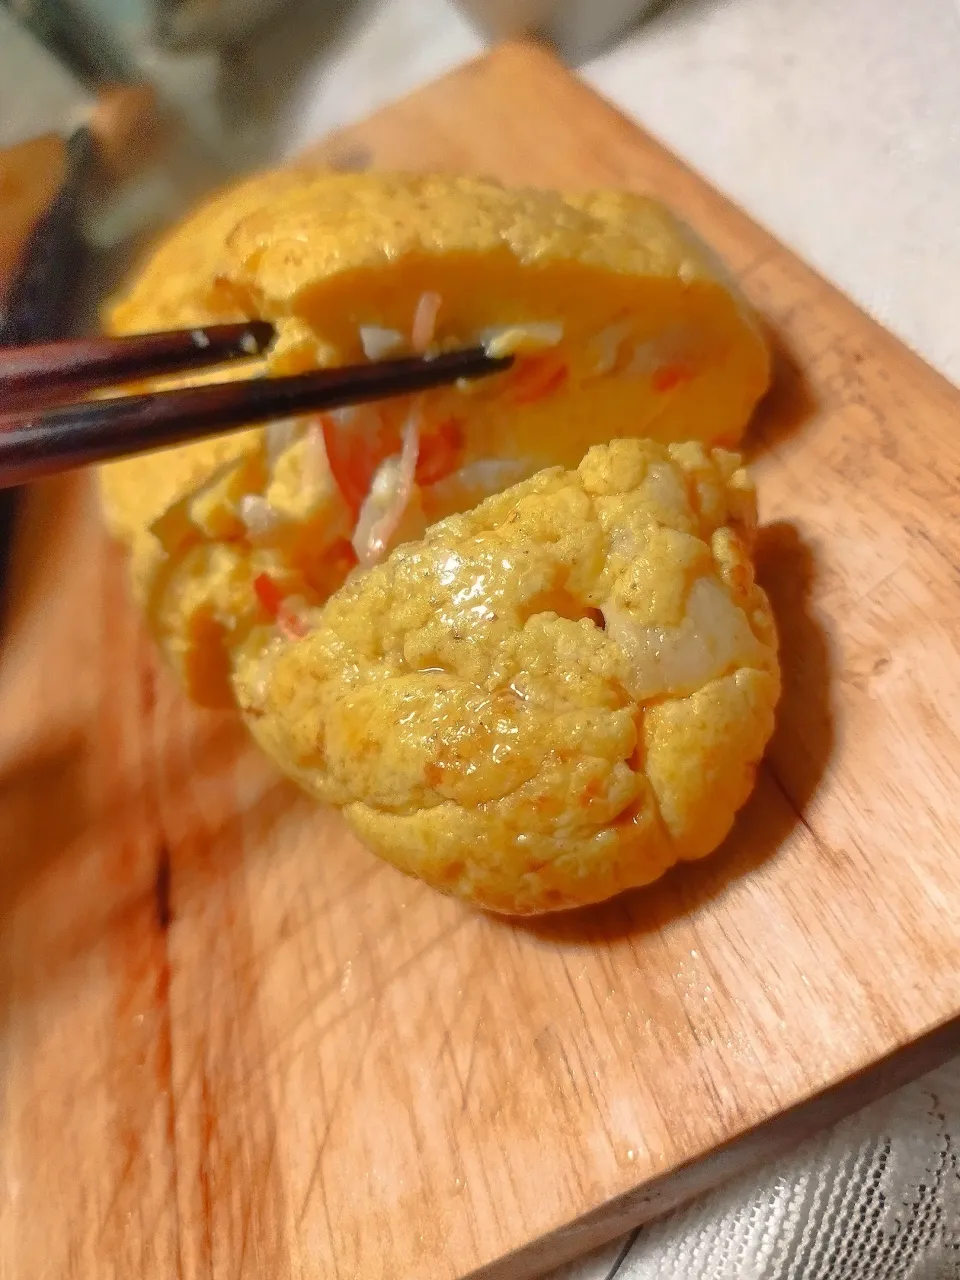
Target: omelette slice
column 548, row 699
column 621, row 323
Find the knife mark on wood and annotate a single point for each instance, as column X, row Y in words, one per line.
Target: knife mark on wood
column 471, row 1060
column 348, row 1077
column 277, row 1056
column 795, row 809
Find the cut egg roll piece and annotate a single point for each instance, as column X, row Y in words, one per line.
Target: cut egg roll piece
column 620, row 321
column 548, row 699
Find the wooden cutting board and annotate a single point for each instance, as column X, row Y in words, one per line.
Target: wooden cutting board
column 234, row 1044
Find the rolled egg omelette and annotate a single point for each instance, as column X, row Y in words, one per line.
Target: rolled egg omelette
column 510, row 628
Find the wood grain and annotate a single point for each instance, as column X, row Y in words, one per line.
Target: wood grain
column 233, row 1044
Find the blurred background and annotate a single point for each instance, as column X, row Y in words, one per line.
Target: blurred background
column 178, row 95
column 836, row 125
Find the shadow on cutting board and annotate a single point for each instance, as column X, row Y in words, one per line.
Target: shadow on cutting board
column 796, row 758
column 789, row 404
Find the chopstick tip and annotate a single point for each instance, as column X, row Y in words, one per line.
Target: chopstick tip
column 260, row 334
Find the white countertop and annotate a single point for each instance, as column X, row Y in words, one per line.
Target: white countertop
column 835, row 123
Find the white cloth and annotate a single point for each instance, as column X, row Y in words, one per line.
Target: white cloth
column 877, row 1197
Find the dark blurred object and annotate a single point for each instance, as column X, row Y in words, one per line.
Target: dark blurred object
column 31, row 173
column 43, row 185
column 37, row 304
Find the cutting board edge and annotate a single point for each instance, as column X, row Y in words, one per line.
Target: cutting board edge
column 663, row 1194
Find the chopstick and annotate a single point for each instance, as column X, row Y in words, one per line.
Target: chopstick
column 42, row 442
column 52, row 369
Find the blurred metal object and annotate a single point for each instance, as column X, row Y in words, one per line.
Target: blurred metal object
column 577, row 28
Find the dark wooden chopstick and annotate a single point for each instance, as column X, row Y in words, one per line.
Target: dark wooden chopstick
column 41, row 442
column 56, row 369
